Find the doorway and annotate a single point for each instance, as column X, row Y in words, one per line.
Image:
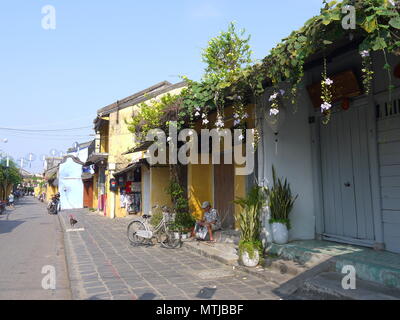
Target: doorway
column 224, row 193
column 346, row 180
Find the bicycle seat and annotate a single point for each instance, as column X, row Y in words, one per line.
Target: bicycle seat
column 146, row 216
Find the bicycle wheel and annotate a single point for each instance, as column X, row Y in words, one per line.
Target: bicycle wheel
column 169, row 239
column 133, row 228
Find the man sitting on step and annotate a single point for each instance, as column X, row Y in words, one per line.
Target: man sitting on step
column 210, row 222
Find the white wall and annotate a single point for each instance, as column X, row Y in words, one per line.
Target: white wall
column 294, row 162
column 81, row 154
column 70, row 185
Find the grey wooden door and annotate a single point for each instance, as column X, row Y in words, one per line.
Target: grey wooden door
column 348, row 211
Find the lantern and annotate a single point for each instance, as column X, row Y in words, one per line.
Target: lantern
column 275, row 122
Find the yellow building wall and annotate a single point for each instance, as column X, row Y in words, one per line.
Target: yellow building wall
column 159, row 181
column 104, row 139
column 200, row 182
column 200, row 176
column 120, row 140
column 119, row 212
column 95, row 192
column 50, row 192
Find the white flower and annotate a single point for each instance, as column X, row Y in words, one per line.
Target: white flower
column 392, row 2
column 241, row 137
column 197, row 114
column 236, row 116
column 325, row 106
column 273, row 97
column 282, row 92
column 364, row 53
column 273, row 111
column 236, row 122
column 197, row 109
column 219, row 123
column 205, row 121
column 169, row 139
column 245, row 116
column 328, row 81
column 203, row 115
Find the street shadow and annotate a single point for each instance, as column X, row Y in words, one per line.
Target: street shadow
column 147, row 296
column 7, row 226
column 206, row 293
column 358, row 257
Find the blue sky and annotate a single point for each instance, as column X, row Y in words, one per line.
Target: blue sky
column 102, row 51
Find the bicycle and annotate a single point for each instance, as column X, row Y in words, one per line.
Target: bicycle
column 141, row 232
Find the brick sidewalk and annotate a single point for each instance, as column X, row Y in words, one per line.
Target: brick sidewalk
column 103, row 265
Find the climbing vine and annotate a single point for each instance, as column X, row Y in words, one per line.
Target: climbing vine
column 231, row 76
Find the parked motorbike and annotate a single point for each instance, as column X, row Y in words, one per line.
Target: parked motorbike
column 2, row 207
column 42, row 197
column 52, row 207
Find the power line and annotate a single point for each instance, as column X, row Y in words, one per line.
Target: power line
column 44, row 130
column 39, row 134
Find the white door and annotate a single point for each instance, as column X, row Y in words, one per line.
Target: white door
column 348, row 210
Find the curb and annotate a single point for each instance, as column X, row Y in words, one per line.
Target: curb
column 68, row 253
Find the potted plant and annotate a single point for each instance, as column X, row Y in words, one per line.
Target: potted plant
column 280, row 204
column 249, row 222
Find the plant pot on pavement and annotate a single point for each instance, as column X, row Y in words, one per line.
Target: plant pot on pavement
column 280, row 233
column 250, row 261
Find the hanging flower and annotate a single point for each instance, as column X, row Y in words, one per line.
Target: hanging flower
column 282, row 92
column 169, row 139
column 241, row 137
column 245, row 115
column 273, row 97
column 205, row 121
column 326, row 95
column 204, row 116
column 236, row 116
column 325, row 106
column 274, row 111
column 236, row 122
column 220, row 122
column 366, row 70
column 364, row 53
column 197, row 114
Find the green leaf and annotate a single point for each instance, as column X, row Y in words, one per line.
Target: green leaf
column 395, row 22
column 370, row 25
column 379, row 44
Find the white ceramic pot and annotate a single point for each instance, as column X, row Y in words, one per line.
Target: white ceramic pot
column 249, row 262
column 280, row 233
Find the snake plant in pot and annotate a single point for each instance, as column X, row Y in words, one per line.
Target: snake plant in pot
column 249, row 222
column 281, row 202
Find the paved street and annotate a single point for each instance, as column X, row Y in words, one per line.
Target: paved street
column 104, row 266
column 29, row 240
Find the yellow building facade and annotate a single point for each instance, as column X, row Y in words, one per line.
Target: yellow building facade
column 116, row 140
